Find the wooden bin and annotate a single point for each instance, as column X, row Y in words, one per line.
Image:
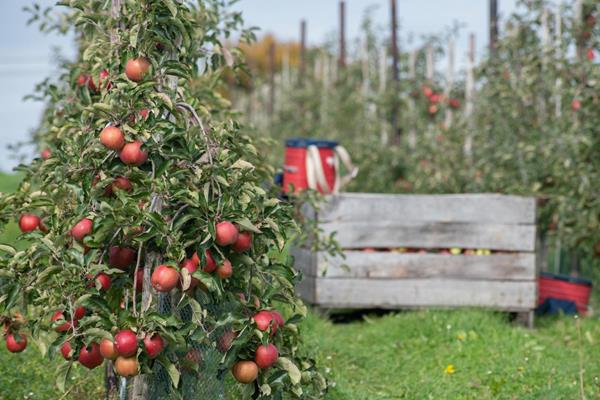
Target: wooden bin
column 503, row 280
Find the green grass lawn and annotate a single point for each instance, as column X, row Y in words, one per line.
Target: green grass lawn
column 463, row 354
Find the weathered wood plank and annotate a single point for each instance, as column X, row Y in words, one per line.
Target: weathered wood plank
column 306, row 289
column 409, row 293
column 520, row 266
column 388, row 233
column 305, row 260
column 475, row 208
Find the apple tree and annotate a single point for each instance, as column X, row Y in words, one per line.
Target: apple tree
column 154, row 241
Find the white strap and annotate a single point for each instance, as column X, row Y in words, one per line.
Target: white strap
column 343, row 155
column 315, row 175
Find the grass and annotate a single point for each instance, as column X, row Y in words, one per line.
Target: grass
column 411, row 355
column 461, row 354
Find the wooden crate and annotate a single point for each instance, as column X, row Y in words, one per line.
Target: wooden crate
column 504, row 280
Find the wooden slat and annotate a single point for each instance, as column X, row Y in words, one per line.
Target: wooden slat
column 519, row 266
column 475, row 208
column 305, row 260
column 306, row 289
column 408, row 293
column 388, row 233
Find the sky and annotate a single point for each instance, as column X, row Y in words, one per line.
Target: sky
column 26, row 55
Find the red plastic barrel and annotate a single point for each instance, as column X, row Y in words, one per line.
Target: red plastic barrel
column 564, row 287
column 295, row 163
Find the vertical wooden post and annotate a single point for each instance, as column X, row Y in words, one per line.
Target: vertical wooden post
column 429, row 68
column 493, row 25
column 272, row 68
column 469, row 96
column 302, row 52
column 395, row 69
column 579, row 16
column 449, row 82
column 342, row 60
column 559, row 44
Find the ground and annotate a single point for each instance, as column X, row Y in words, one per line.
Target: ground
column 460, row 354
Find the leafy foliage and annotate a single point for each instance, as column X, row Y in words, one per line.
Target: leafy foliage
column 201, row 170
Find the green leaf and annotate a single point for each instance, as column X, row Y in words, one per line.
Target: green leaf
column 8, row 249
column 171, row 6
column 47, row 273
column 99, row 333
column 63, row 375
column 291, row 368
column 247, row 225
column 172, row 370
column 133, row 36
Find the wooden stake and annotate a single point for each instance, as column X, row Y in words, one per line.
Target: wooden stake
column 493, row 25
column 395, row 69
column 395, row 66
column 342, row 60
column 429, row 64
column 449, row 81
column 469, row 96
column 302, row 52
column 272, row 68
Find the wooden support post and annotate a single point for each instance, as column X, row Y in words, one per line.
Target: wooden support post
column 579, row 16
column 558, row 46
column 469, row 96
column 449, row 82
column 493, row 26
column 342, row 59
column 395, row 70
column 272, row 68
column 302, row 52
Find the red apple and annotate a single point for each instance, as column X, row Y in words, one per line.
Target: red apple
column 435, row 98
column 226, row 233
column 126, row 343
column 132, row 154
column 104, row 280
column 266, row 356
column 82, row 80
column 433, row 109
column 104, row 74
column 139, row 280
column 58, row 316
column 144, row 112
column 119, row 183
column 154, row 345
column 263, row 319
column 210, row 266
column 112, row 138
column 279, row 322
column 66, row 351
column 127, row 366
column 591, row 54
column 225, row 270
column 90, row 356
column 82, row 229
column 454, row 103
column 243, row 242
column 191, row 267
column 136, row 68
column 427, row 91
column 79, row 313
column 108, row 350
column 121, row 257
column 226, row 340
column 165, row 278
column 29, row 222
column 245, row 371
column 15, row 345
column 575, row 105
column 46, row 153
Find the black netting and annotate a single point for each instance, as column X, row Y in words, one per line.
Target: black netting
column 207, row 381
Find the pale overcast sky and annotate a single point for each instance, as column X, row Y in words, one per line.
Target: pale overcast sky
column 26, row 55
